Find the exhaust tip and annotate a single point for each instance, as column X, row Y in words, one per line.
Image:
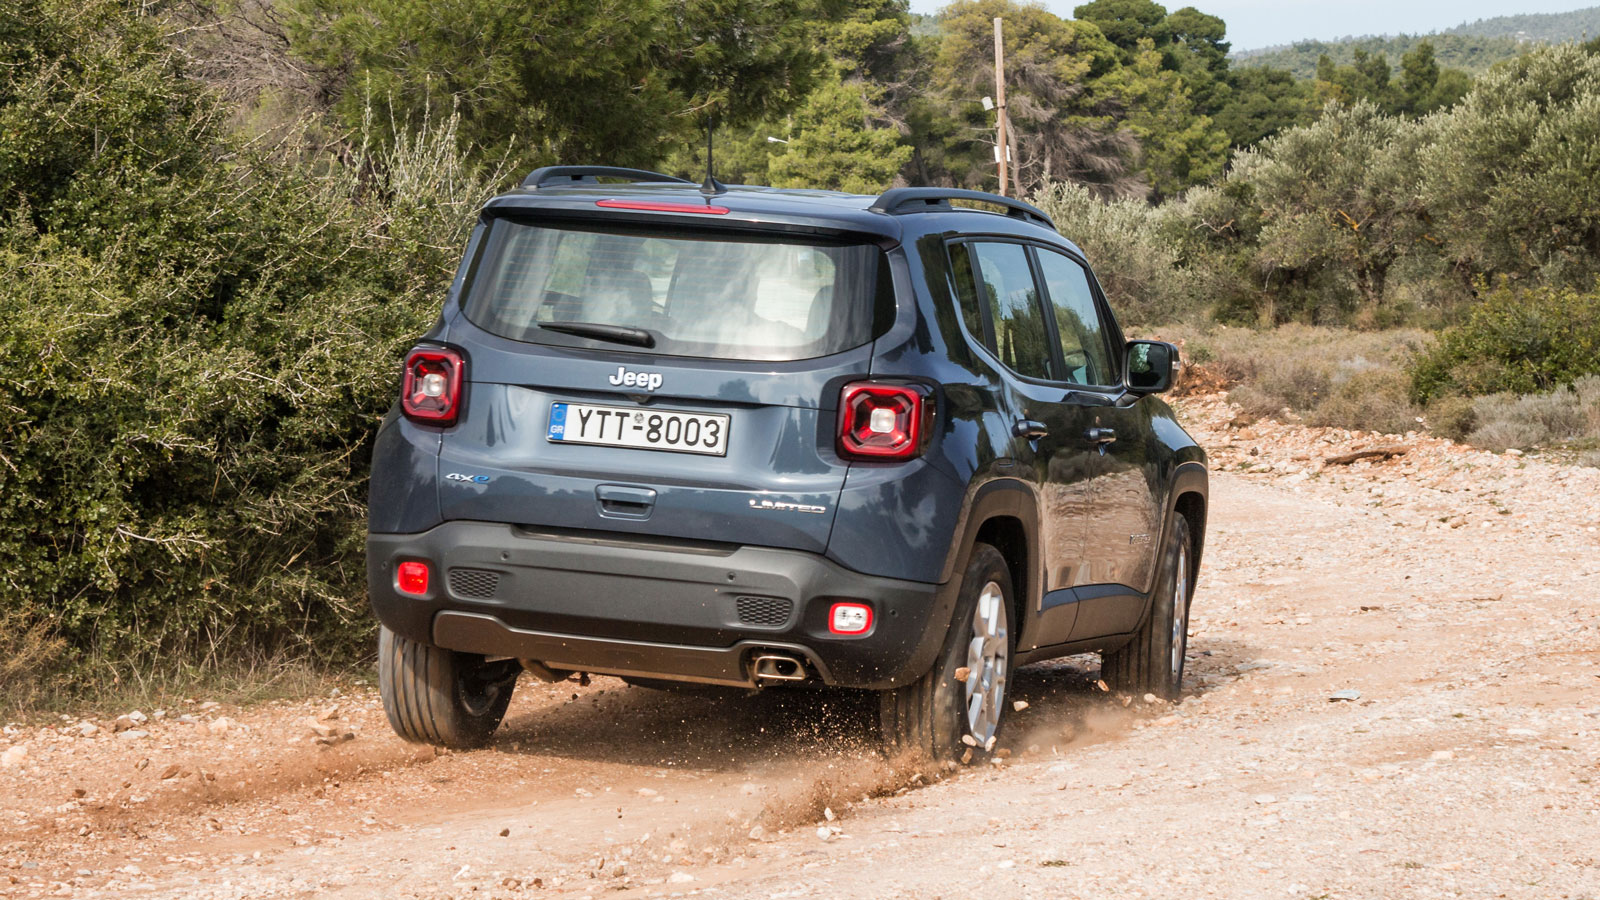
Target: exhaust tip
column 779, row 667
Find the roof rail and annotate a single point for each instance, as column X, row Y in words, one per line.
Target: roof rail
column 897, row 201
column 567, row 175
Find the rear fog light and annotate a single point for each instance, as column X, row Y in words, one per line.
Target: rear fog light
column 850, row 618
column 412, row 578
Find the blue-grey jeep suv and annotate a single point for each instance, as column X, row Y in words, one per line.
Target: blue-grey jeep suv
column 756, row 437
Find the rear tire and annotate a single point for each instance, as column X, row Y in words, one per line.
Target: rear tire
column 933, row 715
column 437, row 696
column 1153, row 661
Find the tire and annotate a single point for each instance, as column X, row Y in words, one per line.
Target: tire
column 437, row 696
column 1153, row 661
column 932, row 716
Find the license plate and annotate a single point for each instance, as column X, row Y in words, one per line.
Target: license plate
column 641, row 429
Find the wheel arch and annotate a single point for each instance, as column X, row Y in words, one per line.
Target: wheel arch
column 1192, row 503
column 1007, row 534
column 1003, row 514
column 1189, row 495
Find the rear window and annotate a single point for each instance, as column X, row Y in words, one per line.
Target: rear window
column 698, row 295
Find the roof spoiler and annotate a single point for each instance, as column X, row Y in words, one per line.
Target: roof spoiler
column 568, row 175
column 899, row 201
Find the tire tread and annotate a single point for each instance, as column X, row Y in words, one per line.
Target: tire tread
column 417, row 683
column 1141, row 665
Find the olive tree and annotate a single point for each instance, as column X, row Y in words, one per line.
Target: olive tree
column 1338, row 196
column 1513, row 173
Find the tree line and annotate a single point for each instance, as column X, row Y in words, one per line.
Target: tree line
column 1126, row 95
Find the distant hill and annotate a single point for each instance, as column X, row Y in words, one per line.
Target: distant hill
column 1458, row 51
column 1552, row 28
column 1473, row 46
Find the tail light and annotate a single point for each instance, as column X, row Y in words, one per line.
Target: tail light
column 883, row 421
column 431, row 391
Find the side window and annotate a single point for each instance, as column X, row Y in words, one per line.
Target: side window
column 1020, row 339
column 966, row 286
column 1083, row 334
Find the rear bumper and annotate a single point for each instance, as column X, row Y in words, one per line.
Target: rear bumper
column 650, row 607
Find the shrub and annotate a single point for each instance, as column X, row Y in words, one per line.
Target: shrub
column 1500, row 435
column 1562, row 416
column 1519, row 340
column 1373, row 399
column 1452, row 417
column 1124, row 241
column 196, row 344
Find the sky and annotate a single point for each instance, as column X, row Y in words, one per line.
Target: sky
column 1264, row 23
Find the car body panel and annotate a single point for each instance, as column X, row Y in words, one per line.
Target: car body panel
column 1088, row 523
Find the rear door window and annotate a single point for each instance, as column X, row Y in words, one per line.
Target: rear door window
column 698, row 295
column 1019, row 338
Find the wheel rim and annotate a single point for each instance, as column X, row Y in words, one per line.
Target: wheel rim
column 987, row 656
column 1180, row 613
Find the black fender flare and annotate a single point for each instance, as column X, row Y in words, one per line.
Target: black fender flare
column 1189, row 477
column 998, row 497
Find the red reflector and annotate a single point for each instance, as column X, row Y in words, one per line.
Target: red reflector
column 850, row 618
column 431, row 390
column 705, row 209
column 882, row 421
column 412, row 578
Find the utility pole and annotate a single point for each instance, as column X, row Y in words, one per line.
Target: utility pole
column 1001, row 148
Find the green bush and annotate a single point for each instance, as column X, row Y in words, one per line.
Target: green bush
column 1452, row 417
column 1136, row 263
column 1521, row 340
column 196, row 342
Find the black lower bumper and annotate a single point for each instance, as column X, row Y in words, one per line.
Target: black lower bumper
column 653, row 608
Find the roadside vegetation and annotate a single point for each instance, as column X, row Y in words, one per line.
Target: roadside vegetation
column 221, row 225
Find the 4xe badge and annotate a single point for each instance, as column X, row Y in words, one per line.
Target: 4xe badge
column 470, row 479
column 647, row 380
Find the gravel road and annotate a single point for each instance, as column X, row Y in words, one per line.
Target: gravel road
column 1456, row 593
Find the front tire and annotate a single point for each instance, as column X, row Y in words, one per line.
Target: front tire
column 442, row 697
column 1153, row 661
column 941, row 716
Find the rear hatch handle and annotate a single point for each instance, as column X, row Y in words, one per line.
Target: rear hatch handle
column 619, row 501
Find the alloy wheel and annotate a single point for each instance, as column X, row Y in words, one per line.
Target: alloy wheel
column 988, row 655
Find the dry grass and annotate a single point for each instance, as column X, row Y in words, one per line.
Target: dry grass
column 1358, row 380
column 1322, row 376
column 37, row 678
column 29, row 654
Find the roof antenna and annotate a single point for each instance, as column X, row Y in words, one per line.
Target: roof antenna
column 711, row 186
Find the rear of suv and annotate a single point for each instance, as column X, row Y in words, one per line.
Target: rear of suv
column 760, row 438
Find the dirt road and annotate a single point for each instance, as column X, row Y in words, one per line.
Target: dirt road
column 1457, row 592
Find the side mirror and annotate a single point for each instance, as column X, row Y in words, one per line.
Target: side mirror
column 1152, row 367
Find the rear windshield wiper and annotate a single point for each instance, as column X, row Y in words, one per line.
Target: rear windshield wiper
column 616, row 334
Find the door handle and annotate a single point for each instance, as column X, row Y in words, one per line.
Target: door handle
column 1098, row 435
column 1030, row 429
